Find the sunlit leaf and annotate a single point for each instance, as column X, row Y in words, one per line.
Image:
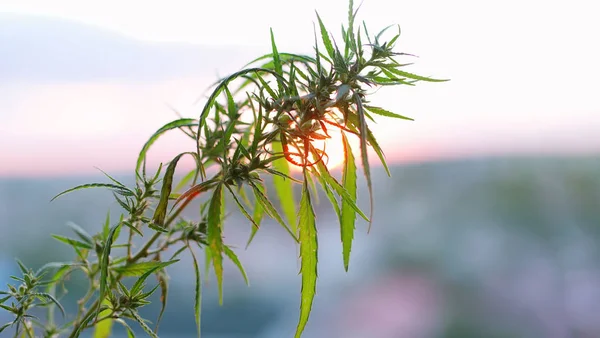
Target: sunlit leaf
column 414, row 76
column 284, row 187
column 270, row 210
column 103, row 329
column 257, row 215
column 383, row 112
column 325, row 38
column 308, row 254
column 362, row 127
column 215, row 237
column 348, row 213
column 241, row 206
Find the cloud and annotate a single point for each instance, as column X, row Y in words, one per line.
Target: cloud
column 37, row 48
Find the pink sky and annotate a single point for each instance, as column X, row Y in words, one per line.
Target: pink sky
column 523, row 83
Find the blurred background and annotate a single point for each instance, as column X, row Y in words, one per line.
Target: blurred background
column 488, row 227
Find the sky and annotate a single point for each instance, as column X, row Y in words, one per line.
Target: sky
column 84, row 84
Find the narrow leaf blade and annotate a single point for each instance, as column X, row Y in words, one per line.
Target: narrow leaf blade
column 308, row 254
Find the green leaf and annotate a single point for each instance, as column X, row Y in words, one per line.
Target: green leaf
column 325, row 38
column 3, row 327
column 186, row 122
column 309, row 256
column 234, row 258
column 383, row 112
column 257, row 216
column 270, row 209
column 215, row 237
column 188, row 177
column 161, row 209
column 81, row 233
column 138, row 269
column 284, row 187
column 378, row 151
column 103, row 329
column 22, row 267
column 339, row 189
column 106, row 226
column 104, row 264
column 241, row 206
column 198, row 296
column 110, row 177
column 139, row 283
column 143, row 324
column 48, row 297
column 276, row 62
column 224, row 82
column 119, row 189
column 414, row 76
column 73, row 242
column 130, row 333
column 348, row 218
column 362, row 127
column 162, row 277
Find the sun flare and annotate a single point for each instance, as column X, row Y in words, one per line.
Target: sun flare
column 332, row 147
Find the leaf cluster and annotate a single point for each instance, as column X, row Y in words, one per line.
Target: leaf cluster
column 258, row 122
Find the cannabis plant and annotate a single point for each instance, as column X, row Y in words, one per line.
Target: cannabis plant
column 279, row 111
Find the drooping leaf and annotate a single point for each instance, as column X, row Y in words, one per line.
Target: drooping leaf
column 241, row 206
column 339, row 189
column 215, row 236
column 192, row 175
column 3, row 327
column 138, row 269
column 362, row 127
column 130, row 333
column 50, row 298
column 234, row 258
column 142, row 323
column 309, row 256
column 348, row 218
column 117, row 188
column 81, row 233
column 198, row 295
column 284, row 187
column 184, row 122
column 257, row 216
column 270, row 209
column 73, row 242
column 163, row 281
column 139, row 283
